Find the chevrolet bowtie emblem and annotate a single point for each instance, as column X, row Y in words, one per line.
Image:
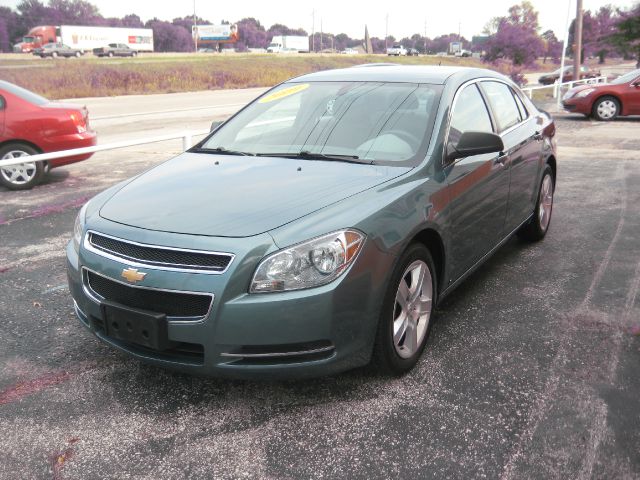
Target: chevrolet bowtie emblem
column 133, row 275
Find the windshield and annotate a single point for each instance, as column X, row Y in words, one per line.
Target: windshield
column 371, row 122
column 627, row 77
column 28, row 39
column 22, row 93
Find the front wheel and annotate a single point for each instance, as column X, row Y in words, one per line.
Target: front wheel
column 537, row 228
column 606, row 108
column 54, row 55
column 78, row 54
column 110, row 55
column 21, row 176
column 405, row 318
column 134, row 54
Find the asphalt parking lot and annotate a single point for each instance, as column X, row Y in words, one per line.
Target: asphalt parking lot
column 531, row 370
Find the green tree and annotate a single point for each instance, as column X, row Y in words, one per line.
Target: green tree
column 627, row 36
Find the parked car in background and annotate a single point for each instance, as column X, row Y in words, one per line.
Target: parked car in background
column 349, row 51
column 463, row 53
column 31, row 124
column 413, row 52
column 115, row 50
column 606, row 101
column 397, row 50
column 567, row 76
column 55, row 50
column 394, row 183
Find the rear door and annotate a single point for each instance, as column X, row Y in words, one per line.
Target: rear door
column 478, row 186
column 522, row 143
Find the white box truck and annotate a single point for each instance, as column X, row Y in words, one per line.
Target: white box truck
column 289, row 44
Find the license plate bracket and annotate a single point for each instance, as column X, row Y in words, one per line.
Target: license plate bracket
column 133, row 325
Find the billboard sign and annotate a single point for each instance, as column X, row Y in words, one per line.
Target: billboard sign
column 215, row 33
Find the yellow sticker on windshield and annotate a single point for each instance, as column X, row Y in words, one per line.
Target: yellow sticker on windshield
column 284, row 93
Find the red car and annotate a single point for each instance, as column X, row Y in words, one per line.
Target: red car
column 606, row 101
column 30, row 124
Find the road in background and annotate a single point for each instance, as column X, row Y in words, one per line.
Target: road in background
column 531, row 370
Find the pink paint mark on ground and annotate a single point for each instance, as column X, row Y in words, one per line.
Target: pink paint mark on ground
column 61, row 207
column 46, row 380
column 49, row 209
column 4, row 269
column 635, row 330
column 24, row 389
column 58, row 460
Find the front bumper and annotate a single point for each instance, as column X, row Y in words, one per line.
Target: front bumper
column 578, row 105
column 295, row 334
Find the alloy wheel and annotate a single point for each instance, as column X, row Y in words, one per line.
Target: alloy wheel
column 412, row 311
column 545, row 203
column 21, row 173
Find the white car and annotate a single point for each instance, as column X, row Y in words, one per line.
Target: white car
column 349, row 51
column 397, row 50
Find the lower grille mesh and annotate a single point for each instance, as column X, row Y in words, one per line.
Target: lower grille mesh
column 173, row 304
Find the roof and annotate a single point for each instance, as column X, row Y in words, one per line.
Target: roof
column 397, row 73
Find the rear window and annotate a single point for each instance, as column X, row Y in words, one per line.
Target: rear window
column 23, row 93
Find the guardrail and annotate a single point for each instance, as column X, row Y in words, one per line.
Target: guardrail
column 187, row 141
column 557, row 86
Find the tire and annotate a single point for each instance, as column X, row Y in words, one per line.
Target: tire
column 397, row 354
column 606, row 109
column 54, row 54
column 23, row 176
column 110, row 54
column 538, row 227
column 134, row 54
column 78, row 54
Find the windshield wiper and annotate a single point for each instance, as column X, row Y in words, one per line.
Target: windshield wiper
column 223, row 151
column 307, row 155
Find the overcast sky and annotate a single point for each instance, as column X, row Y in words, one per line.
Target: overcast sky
column 405, row 17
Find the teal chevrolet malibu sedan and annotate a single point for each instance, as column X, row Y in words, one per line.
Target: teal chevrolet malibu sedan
column 316, row 229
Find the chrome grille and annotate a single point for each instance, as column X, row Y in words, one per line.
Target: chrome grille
column 159, row 256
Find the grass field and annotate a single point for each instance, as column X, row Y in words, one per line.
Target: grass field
column 158, row 73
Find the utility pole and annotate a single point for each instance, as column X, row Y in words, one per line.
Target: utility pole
column 459, row 29
column 195, row 26
column 313, row 30
column 425, row 36
column 577, row 52
column 386, row 33
column 321, row 34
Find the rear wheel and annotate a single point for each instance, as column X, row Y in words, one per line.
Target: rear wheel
column 54, row 55
column 110, row 54
column 606, row 108
column 22, row 176
column 405, row 318
column 537, row 228
column 134, row 54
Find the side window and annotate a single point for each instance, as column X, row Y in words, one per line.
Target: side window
column 523, row 110
column 2, row 103
column 469, row 114
column 503, row 104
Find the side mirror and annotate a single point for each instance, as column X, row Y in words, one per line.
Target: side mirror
column 475, row 143
column 215, row 125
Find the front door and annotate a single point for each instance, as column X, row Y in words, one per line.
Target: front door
column 478, row 187
column 522, row 142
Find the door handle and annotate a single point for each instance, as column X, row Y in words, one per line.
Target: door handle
column 538, row 137
column 501, row 159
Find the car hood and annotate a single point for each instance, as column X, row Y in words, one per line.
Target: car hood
column 237, row 196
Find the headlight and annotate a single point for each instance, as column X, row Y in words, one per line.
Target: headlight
column 309, row 264
column 585, row 92
column 78, row 227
